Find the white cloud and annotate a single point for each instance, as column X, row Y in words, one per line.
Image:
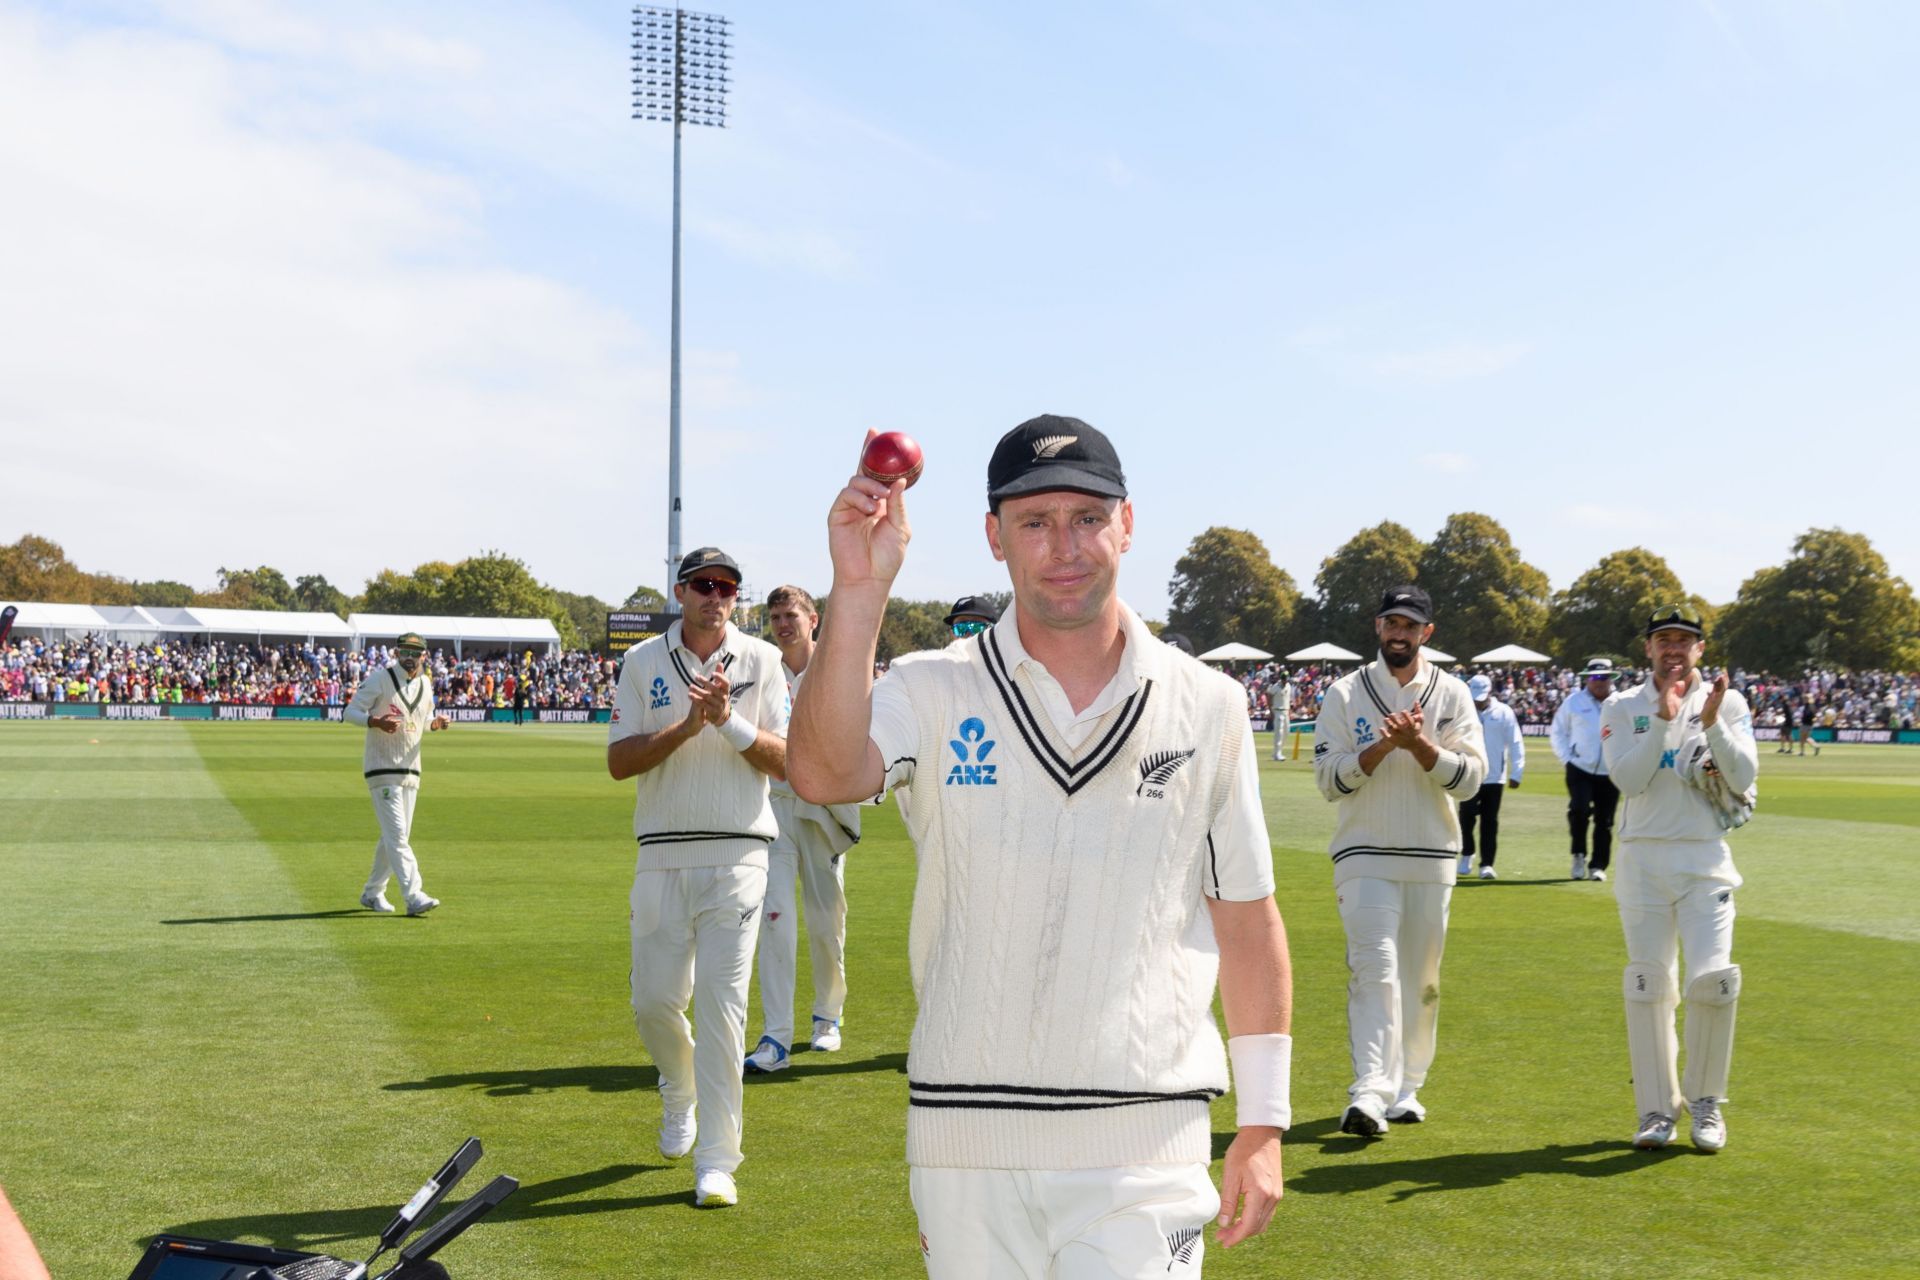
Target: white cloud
column 201, row 297
column 1453, row 362
column 1449, row 464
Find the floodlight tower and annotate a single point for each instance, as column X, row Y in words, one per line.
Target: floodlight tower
column 680, row 75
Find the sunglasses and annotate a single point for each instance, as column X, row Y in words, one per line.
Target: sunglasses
column 725, row 588
column 971, row 627
column 1680, row 615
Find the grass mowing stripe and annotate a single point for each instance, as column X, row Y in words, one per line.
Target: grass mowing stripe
column 180, row 1071
column 528, row 1036
column 507, row 1017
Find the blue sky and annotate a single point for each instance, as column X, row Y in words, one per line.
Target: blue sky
column 1640, row 273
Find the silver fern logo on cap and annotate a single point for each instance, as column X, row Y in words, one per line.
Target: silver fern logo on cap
column 1050, row 446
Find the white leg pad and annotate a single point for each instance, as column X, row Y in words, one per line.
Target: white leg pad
column 1712, row 1000
column 1653, row 1049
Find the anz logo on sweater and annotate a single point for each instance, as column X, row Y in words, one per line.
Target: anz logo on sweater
column 1362, row 731
column 973, row 746
column 661, row 697
column 1157, row 770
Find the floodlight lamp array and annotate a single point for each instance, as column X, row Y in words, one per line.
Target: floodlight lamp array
column 680, row 66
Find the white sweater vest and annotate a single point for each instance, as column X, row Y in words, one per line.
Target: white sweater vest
column 1062, row 955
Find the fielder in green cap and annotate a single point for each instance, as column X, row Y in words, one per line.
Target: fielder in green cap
column 395, row 706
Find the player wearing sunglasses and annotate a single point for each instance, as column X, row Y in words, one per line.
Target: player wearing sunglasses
column 701, row 722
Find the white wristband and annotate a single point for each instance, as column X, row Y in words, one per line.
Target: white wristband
column 739, row 732
column 1262, row 1079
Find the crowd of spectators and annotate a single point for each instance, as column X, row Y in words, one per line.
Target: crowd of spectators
column 93, row 669
column 1826, row 699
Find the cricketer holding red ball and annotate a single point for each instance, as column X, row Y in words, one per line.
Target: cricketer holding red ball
column 1092, row 856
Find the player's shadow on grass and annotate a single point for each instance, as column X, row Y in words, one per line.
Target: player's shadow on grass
column 820, row 1064
column 321, row 1229
column 1467, row 882
column 1456, row 1171
column 343, row 913
column 624, row 1077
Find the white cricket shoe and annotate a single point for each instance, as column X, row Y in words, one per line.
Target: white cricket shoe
column 1466, row 866
column 1656, row 1131
column 767, row 1056
column 376, row 902
column 1596, row 875
column 420, row 906
column 1406, row 1109
column 1365, row 1118
column 714, row 1189
column 1709, row 1127
column 677, row 1130
column 826, row 1036
column 1579, row 866
column 1488, row 873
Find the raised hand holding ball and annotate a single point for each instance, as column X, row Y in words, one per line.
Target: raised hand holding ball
column 890, row 457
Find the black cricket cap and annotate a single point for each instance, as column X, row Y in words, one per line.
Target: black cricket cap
column 972, row 607
column 1054, row 452
column 1677, row 617
column 1408, row 601
column 1178, row 641
column 702, row 561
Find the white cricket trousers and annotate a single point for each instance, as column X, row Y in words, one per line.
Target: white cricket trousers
column 1130, row 1223
column 1675, row 897
column 1396, row 931
column 393, row 856
column 802, row 854
column 693, row 931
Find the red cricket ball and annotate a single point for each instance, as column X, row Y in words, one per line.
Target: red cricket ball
column 891, row 456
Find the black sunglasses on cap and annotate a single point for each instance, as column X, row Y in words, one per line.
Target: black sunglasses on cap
column 1682, row 616
column 725, row 588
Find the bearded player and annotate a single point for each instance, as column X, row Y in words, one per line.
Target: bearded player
column 395, row 706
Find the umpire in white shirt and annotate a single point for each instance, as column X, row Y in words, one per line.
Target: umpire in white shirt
column 701, row 721
column 1575, row 738
column 1506, row 761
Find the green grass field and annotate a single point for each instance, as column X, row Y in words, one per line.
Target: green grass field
column 200, row 1031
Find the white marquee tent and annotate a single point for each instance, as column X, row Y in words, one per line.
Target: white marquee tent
column 134, row 624
column 1234, row 651
column 485, row 634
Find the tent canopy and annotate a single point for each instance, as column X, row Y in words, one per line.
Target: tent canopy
column 133, row 623
column 1234, row 651
column 482, row 633
column 1323, row 653
column 1511, row 653
column 1434, row 655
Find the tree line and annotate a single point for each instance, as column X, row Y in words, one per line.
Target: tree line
column 1833, row 603
column 490, row 585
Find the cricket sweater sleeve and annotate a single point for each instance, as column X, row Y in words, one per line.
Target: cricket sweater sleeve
column 776, row 699
column 364, row 700
column 1239, row 857
column 1731, row 740
column 1633, row 758
column 894, row 730
column 627, row 705
column 1462, row 763
column 1336, row 757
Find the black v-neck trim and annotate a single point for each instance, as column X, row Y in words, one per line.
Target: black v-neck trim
column 1066, row 774
column 680, row 668
column 1367, row 680
column 400, row 691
